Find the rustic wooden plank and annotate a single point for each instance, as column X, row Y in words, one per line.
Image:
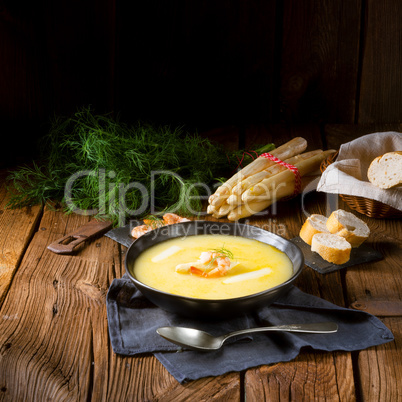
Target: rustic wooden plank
column 382, row 308
column 319, row 65
column 338, row 134
column 281, row 133
column 21, row 48
column 227, row 136
column 311, row 375
column 16, row 230
column 56, row 57
column 144, row 378
column 22, row 88
column 379, row 280
column 373, row 284
column 80, row 50
column 209, row 63
column 54, row 335
column 381, row 77
column 380, row 367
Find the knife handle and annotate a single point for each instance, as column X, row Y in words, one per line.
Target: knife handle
column 66, row 244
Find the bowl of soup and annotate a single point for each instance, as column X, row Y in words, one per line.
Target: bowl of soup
column 204, row 269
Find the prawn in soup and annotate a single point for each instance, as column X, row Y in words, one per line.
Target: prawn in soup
column 212, row 266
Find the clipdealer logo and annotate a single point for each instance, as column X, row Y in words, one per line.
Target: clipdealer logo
column 112, row 198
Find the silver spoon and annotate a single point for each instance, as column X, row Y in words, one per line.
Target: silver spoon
column 199, row 340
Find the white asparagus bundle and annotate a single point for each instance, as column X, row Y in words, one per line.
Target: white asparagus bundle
column 245, row 184
column 283, row 188
column 269, row 186
column 252, row 207
column 291, row 148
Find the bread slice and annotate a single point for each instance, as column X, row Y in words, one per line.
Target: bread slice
column 349, row 226
column 314, row 224
column 386, row 171
column 331, row 248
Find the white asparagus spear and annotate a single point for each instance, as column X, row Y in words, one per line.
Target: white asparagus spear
column 269, row 185
column 252, row 207
column 282, row 191
column 224, row 209
column 185, row 267
column 248, row 275
column 250, row 181
column 234, row 199
column 211, row 209
column 278, row 191
column 285, row 151
column 245, row 210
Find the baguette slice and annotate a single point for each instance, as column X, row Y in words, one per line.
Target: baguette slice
column 314, row 224
column 349, row 226
column 386, row 171
column 331, row 248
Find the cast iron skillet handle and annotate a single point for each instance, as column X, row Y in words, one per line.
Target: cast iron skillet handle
column 66, row 244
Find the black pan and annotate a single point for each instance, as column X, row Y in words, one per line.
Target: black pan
column 202, row 308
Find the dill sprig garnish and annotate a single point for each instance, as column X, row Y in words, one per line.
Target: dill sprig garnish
column 222, row 252
column 166, row 163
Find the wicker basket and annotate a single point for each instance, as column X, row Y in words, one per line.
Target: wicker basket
column 365, row 206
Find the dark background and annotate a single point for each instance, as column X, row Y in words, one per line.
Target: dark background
column 203, row 64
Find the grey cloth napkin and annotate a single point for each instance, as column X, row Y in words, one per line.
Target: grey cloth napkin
column 133, row 321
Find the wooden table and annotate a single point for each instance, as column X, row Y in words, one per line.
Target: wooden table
column 54, row 342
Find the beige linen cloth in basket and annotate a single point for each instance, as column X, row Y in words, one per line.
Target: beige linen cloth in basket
column 348, row 174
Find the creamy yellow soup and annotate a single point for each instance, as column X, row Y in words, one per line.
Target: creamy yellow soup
column 156, row 267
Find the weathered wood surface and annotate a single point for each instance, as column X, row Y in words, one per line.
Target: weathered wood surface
column 337, row 134
column 54, row 328
column 200, row 64
column 312, row 375
column 319, row 67
column 380, row 368
column 54, row 342
column 16, row 231
column 380, row 97
column 377, row 289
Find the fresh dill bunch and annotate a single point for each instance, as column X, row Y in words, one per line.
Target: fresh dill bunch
column 115, row 170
